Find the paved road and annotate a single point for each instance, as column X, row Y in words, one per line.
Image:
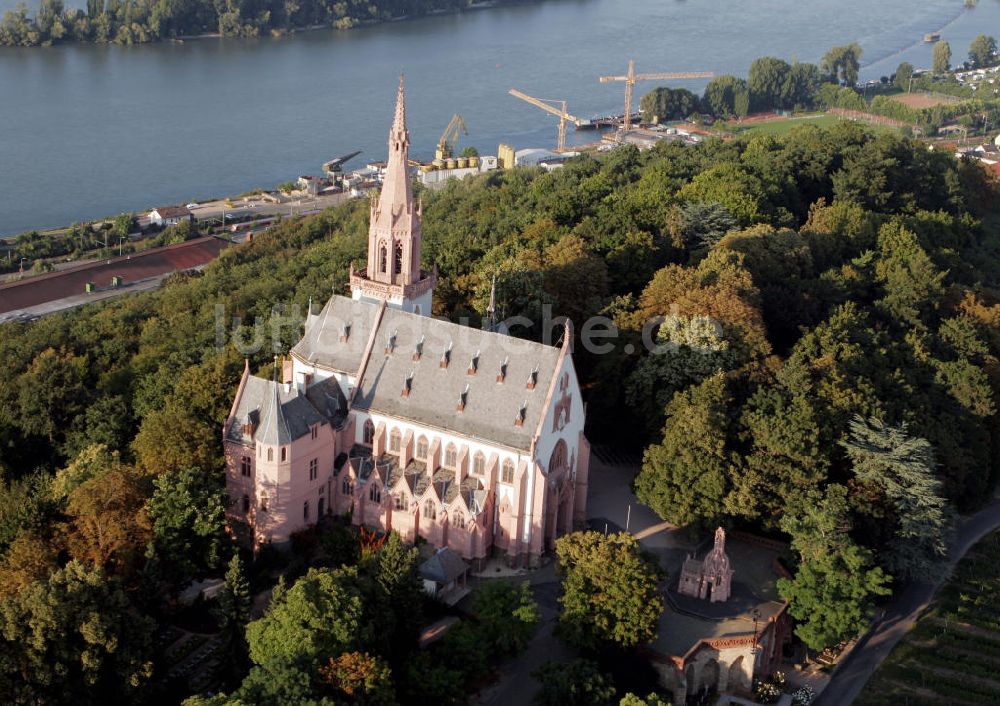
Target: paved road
column 858, row 667
column 263, row 209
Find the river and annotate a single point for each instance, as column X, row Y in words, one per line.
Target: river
column 88, row 131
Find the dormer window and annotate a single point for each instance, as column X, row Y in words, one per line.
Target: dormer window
column 446, row 356
column 418, row 349
column 532, row 379
column 474, row 364
column 521, row 414
column 390, row 343
column 407, row 385
column 345, row 332
column 463, row 399
column 502, row 372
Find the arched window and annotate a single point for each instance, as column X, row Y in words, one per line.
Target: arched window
column 399, row 258
column 263, row 501
column 507, row 472
column 394, row 439
column 270, row 454
column 458, row 520
column 557, row 461
column 479, row 464
column 375, row 493
column 451, row 456
column 422, row 448
column 382, row 257
column 305, row 511
column 369, row 432
column 430, row 511
column 346, row 486
column 397, row 501
column 283, row 453
column 246, row 504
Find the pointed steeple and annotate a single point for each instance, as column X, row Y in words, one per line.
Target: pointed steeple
column 394, row 232
column 399, row 120
column 491, row 308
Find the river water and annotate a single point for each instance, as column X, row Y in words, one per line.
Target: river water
column 89, row 131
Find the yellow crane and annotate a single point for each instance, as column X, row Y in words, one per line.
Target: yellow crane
column 446, row 145
column 559, row 112
column 631, row 77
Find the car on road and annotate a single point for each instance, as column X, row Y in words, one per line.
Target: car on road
column 230, row 216
column 192, row 205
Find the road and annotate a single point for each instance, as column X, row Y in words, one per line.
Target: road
column 213, row 210
column 858, row 667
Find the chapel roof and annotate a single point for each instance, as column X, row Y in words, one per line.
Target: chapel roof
column 280, row 414
column 451, row 372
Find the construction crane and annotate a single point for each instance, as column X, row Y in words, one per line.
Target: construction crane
column 631, row 77
column 336, row 164
column 446, row 145
column 560, row 112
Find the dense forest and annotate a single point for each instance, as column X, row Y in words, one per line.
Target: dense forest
column 138, row 21
column 827, row 312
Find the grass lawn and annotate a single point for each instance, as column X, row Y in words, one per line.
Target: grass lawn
column 780, row 126
column 952, row 655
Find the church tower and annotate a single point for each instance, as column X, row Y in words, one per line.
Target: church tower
column 393, row 273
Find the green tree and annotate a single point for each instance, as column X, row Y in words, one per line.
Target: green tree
column 982, row 50
column 702, row 224
column 188, row 510
column 51, row 393
column 901, row 467
column 663, row 104
column 720, row 95
column 832, row 592
column 507, row 615
column 233, row 614
column 941, row 63
column 767, row 80
column 831, row 597
column 841, row 64
column 913, row 285
column 685, row 477
column 904, row 72
column 610, row 593
column 579, row 683
column 73, row 638
column 396, row 609
column 631, row 699
column 317, row 618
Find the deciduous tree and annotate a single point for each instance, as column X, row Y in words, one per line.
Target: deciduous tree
column 610, row 593
column 941, row 63
column 685, row 477
column 72, row 638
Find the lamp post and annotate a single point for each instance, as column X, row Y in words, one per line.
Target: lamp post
column 755, row 648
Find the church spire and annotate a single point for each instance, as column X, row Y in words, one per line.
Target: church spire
column 394, row 232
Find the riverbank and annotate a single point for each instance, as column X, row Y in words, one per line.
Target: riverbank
column 165, row 122
column 72, row 25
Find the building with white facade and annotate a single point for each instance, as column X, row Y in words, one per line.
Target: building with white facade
column 469, row 438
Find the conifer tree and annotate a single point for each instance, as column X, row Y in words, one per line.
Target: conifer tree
column 902, row 468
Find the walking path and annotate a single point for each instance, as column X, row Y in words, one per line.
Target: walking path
column 857, row 668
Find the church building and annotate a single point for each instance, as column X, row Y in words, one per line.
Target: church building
column 469, row 438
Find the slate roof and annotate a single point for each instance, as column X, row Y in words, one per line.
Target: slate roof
column 445, row 566
column 321, row 344
column 280, row 414
column 435, row 392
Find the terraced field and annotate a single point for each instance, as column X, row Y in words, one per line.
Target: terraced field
column 952, row 656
